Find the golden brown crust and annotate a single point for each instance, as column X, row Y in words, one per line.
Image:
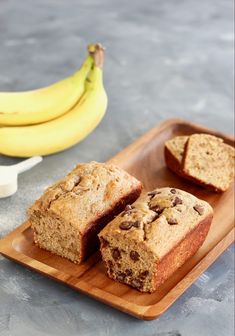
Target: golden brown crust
column 176, row 146
column 182, row 251
column 85, row 193
column 173, row 163
column 90, row 241
column 68, row 216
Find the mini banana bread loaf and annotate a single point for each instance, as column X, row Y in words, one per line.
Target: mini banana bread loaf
column 70, row 214
column 203, row 159
column 154, row 236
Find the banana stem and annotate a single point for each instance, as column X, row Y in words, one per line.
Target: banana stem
column 85, row 68
column 97, row 53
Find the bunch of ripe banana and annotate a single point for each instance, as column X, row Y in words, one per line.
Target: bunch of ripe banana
column 56, row 117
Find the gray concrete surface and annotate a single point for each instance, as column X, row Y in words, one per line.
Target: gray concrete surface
column 164, row 59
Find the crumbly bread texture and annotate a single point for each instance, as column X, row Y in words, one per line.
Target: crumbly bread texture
column 174, row 153
column 209, row 161
column 203, row 159
column 176, row 147
column 70, row 214
column 151, row 239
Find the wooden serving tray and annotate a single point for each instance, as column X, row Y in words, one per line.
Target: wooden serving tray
column 145, row 160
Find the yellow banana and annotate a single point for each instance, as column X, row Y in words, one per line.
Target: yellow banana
column 68, row 129
column 32, row 107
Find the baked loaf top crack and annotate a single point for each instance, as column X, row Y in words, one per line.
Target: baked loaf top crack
column 85, row 194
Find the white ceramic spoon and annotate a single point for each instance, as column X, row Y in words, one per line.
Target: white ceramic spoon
column 9, row 175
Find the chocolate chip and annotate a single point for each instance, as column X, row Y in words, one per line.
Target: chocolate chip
column 199, row 208
column 173, row 191
column 110, row 264
column 172, row 221
column 177, row 201
column 134, row 255
column 157, row 209
column 136, row 224
column 110, row 271
column 153, row 193
column 120, row 276
column 126, row 225
column 137, row 283
column 128, row 272
column 104, row 242
column 116, row 254
column 143, row 275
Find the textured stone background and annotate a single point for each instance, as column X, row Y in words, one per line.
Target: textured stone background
column 164, row 59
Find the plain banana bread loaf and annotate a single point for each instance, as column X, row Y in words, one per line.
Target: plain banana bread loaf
column 70, row 214
column 154, row 236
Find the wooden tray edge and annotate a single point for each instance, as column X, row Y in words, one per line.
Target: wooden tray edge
column 141, row 312
column 9, row 252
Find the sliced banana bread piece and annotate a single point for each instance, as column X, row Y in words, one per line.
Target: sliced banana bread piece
column 144, row 245
column 209, row 161
column 174, row 153
column 70, row 214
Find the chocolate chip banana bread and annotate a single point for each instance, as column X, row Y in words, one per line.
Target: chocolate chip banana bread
column 203, row 159
column 70, row 214
column 154, row 236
